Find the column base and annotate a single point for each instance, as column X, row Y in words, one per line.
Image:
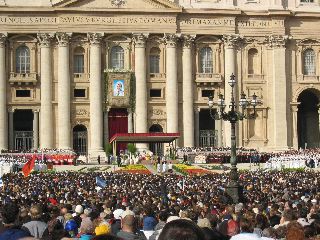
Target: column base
column 93, row 156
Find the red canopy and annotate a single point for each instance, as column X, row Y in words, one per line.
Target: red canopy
column 144, row 137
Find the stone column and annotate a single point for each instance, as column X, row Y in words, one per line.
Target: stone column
column 96, row 96
column 196, row 126
column 3, row 94
column 141, row 86
column 35, row 129
column 230, row 42
column 280, row 103
column 64, row 125
column 130, row 123
column 46, row 116
column 188, row 86
column 172, row 84
column 11, row 130
column 294, row 110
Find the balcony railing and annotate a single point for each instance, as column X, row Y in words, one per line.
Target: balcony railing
column 208, row 78
column 157, row 76
column 81, row 76
column 23, row 78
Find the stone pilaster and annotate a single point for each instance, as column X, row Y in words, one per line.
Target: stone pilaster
column 196, row 126
column 11, row 130
column 3, row 94
column 280, row 104
column 96, row 96
column 64, row 125
column 46, row 116
column 171, row 84
column 106, row 126
column 141, row 85
column 188, row 115
column 35, row 129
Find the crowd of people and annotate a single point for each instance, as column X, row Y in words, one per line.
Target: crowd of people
column 69, row 205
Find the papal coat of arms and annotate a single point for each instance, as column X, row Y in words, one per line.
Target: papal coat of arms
column 118, row 3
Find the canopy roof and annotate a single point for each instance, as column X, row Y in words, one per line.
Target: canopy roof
column 144, row 137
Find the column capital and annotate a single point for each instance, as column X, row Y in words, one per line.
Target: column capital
column 95, row 38
column 3, row 38
column 171, row 39
column 188, row 40
column 277, row 41
column 294, row 106
column 36, row 110
column 11, row 109
column 140, row 39
column 232, row 40
column 63, row 38
column 45, row 39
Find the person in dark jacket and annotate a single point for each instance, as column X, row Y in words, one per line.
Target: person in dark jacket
column 11, row 231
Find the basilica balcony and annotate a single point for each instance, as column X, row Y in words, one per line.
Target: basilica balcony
column 308, row 78
column 81, row 77
column 254, row 78
column 23, row 78
column 208, row 79
column 157, row 77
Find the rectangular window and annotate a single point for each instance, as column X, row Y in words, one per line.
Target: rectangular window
column 23, row 93
column 154, row 63
column 156, row 93
column 307, row 1
column 79, row 93
column 78, row 64
column 207, row 93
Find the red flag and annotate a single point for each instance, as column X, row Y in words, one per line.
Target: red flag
column 27, row 168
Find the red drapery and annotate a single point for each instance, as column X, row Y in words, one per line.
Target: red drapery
column 118, row 123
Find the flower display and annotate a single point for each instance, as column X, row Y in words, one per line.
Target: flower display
column 189, row 169
column 136, row 168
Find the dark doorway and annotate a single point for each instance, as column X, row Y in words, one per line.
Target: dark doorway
column 23, row 129
column 156, row 148
column 207, row 135
column 80, row 139
column 308, row 119
column 118, row 123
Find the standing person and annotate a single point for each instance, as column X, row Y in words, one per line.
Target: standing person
column 98, row 159
column 164, row 166
column 36, row 227
column 119, row 160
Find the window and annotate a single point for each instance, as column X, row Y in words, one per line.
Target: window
column 79, row 93
column 207, row 93
column 206, row 60
column 78, row 60
column 309, row 62
column 155, row 92
column 307, row 1
column 23, row 93
column 117, row 57
column 252, row 61
column 22, row 59
column 154, row 60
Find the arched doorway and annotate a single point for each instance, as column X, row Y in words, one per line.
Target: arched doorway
column 80, row 139
column 23, row 129
column 308, row 119
column 156, row 148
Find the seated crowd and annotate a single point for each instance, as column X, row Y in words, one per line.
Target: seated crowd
column 68, row 205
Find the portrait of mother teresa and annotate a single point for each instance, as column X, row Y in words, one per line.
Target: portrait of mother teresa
column 118, row 88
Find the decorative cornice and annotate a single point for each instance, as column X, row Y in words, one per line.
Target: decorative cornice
column 188, row 40
column 277, row 41
column 233, row 40
column 63, row 38
column 308, row 42
column 3, row 38
column 171, row 39
column 95, row 38
column 139, row 39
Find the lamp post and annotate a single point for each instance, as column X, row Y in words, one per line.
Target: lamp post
column 233, row 116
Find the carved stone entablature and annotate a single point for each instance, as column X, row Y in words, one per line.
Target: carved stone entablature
column 45, row 39
column 277, row 41
column 208, row 79
column 233, row 41
column 171, row 39
column 188, row 40
column 81, row 112
column 3, row 38
column 140, row 39
column 95, row 38
column 157, row 112
column 161, row 122
column 76, row 122
column 118, row 3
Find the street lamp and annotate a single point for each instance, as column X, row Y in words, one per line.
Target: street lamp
column 233, row 116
